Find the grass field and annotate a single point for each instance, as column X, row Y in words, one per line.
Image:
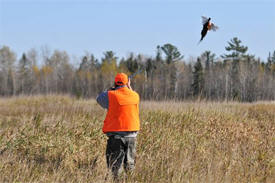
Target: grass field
column 59, row 139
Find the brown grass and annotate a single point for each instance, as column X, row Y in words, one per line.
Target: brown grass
column 59, row 139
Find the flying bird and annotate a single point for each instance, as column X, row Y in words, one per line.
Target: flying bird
column 207, row 25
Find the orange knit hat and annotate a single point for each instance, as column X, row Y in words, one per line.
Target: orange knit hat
column 121, row 79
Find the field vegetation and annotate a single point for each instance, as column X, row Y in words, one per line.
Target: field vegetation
column 59, row 139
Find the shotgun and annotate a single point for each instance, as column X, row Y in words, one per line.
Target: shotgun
column 134, row 74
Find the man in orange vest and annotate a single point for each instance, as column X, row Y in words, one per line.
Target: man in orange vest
column 121, row 124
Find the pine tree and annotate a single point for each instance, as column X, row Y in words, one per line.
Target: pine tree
column 108, row 69
column 24, row 72
column 197, row 84
column 172, row 53
column 236, row 49
column 238, row 53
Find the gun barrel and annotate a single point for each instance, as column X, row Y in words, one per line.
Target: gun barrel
column 134, row 74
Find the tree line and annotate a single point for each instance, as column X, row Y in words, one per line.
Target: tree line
column 234, row 75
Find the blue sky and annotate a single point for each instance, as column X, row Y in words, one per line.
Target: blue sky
column 135, row 26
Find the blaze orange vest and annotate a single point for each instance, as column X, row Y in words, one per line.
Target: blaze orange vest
column 123, row 112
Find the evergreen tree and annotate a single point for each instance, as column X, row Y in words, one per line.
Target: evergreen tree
column 131, row 63
column 24, row 72
column 172, row 53
column 84, row 65
column 239, row 77
column 273, row 58
column 237, row 50
column 238, row 53
column 158, row 55
column 108, row 69
column 197, row 84
column 109, row 56
column 271, row 62
column 208, row 58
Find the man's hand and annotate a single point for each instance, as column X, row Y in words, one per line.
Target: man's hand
column 129, row 84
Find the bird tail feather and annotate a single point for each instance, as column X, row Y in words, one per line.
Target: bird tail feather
column 199, row 42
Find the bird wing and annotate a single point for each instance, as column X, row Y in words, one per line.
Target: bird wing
column 204, row 19
column 214, row 27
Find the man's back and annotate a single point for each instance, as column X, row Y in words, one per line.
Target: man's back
column 121, row 124
column 123, row 111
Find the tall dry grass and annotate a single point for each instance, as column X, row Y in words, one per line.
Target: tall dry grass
column 59, row 139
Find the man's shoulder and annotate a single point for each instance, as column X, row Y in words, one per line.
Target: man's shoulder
column 132, row 92
column 135, row 93
column 102, row 94
column 111, row 92
column 123, row 91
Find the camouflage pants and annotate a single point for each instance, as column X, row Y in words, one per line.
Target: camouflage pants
column 120, row 151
